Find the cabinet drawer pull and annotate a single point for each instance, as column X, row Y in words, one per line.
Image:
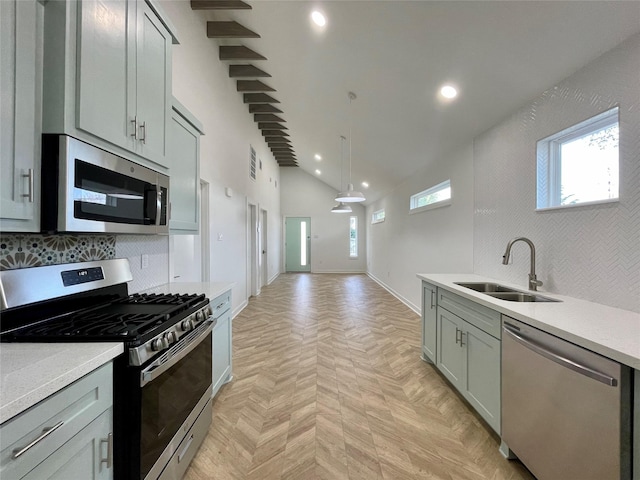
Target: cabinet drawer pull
column 29, row 176
column 109, row 459
column 45, row 433
column 135, row 128
column 432, row 304
column 458, row 338
column 462, row 334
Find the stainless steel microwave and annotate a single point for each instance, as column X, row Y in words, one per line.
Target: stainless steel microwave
column 87, row 189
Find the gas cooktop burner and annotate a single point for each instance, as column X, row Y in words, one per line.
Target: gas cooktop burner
column 130, row 319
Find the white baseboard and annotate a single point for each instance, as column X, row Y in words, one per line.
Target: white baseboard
column 270, row 281
column 239, row 309
column 413, row 307
column 341, row 272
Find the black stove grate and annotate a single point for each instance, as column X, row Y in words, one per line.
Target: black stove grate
column 130, row 319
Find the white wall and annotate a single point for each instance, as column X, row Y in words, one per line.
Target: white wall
column 434, row 241
column 202, row 84
column 585, row 252
column 303, row 195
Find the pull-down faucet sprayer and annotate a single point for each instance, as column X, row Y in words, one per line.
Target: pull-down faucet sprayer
column 534, row 283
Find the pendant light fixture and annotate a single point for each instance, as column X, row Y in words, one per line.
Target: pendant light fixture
column 341, row 207
column 350, row 195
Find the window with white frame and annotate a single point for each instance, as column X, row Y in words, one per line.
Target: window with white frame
column 580, row 164
column 378, row 216
column 353, row 237
column 436, row 196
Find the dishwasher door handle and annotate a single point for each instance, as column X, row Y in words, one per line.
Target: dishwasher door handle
column 559, row 359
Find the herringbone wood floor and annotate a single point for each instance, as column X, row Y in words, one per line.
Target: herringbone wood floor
column 329, row 385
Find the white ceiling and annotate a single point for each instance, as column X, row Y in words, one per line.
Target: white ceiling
column 395, row 55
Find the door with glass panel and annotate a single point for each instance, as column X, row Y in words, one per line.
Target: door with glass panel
column 298, row 244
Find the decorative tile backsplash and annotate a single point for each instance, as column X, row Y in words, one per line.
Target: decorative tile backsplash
column 34, row 250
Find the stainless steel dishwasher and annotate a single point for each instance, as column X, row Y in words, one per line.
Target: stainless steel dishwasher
column 566, row 411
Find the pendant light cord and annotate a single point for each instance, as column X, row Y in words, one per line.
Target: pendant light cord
column 352, row 96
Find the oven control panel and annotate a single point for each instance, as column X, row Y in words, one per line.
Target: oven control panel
column 164, row 340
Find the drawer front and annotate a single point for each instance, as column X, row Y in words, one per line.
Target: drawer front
column 63, row 415
column 221, row 304
column 478, row 315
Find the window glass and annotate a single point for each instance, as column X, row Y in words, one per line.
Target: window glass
column 353, row 237
column 580, row 164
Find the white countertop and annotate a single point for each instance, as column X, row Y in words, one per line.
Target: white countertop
column 30, row 372
column 609, row 331
column 210, row 289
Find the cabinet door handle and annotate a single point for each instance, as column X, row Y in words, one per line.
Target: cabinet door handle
column 143, row 138
column 458, row 339
column 109, row 459
column 462, row 334
column 29, row 176
column 45, row 433
column 432, row 304
column 135, row 128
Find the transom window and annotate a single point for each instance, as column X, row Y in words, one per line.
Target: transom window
column 378, row 216
column 580, row 164
column 436, row 196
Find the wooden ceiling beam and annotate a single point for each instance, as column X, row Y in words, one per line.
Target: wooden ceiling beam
column 253, row 86
column 267, row 117
column 278, row 140
column 238, row 52
column 259, row 98
column 248, row 71
column 275, row 133
column 219, row 5
column 271, row 126
column 263, row 108
column 229, row 30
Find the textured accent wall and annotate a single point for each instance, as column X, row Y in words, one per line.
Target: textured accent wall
column 157, row 248
column 589, row 252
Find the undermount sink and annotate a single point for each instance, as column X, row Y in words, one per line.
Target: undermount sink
column 501, row 292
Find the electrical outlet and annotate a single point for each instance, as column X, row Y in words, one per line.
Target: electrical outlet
column 144, row 261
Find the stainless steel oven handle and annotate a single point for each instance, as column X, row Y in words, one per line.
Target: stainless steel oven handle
column 176, row 353
column 559, row 359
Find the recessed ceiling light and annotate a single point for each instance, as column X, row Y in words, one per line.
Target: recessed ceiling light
column 448, row 91
column 365, row 184
column 317, row 157
column 318, row 18
column 318, row 172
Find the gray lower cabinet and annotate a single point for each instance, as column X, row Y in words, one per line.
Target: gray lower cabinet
column 107, row 76
column 429, row 321
column 66, row 436
column 184, row 171
column 468, row 351
column 222, row 341
column 20, row 90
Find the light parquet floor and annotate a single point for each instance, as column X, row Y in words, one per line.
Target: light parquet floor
column 328, row 384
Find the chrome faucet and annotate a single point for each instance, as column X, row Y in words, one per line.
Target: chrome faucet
column 534, row 283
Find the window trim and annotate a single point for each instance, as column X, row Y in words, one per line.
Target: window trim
column 429, row 191
column 549, row 160
column 375, row 220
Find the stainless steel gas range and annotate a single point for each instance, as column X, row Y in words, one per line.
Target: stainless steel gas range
column 162, row 382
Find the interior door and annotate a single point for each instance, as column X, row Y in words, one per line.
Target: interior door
column 298, row 244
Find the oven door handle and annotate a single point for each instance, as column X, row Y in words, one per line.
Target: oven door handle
column 176, row 353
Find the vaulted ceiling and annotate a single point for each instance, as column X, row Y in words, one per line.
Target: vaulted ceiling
column 395, row 55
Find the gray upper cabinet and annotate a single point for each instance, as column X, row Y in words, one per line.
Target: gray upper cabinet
column 184, row 170
column 21, row 95
column 107, row 76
